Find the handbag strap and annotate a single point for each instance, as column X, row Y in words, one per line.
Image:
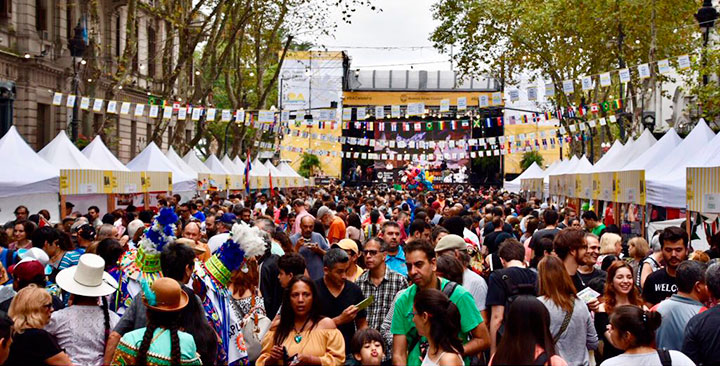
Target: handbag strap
column 256, row 318
column 565, row 324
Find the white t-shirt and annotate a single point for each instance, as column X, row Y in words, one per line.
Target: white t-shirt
column 217, row 241
column 648, row 359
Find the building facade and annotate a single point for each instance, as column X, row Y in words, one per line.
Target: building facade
column 35, row 56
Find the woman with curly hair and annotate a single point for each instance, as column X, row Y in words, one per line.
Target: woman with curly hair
column 619, row 290
column 161, row 342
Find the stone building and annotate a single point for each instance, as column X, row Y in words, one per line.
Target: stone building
column 34, row 54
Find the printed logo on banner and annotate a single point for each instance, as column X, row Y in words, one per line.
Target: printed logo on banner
column 139, row 110
column 70, row 101
column 445, row 105
column 395, row 111
column 532, row 93
column 483, row 101
column 461, row 103
column 57, row 98
column 125, row 108
column 605, row 79
column 154, row 111
column 624, row 75
column 379, row 112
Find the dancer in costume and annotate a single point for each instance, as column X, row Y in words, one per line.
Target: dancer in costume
column 211, row 280
column 143, row 262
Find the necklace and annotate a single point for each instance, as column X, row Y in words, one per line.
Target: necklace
column 298, row 337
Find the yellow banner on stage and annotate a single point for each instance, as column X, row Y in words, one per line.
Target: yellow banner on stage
column 377, row 98
column 703, row 189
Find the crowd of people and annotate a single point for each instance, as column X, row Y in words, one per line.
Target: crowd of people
column 352, row 276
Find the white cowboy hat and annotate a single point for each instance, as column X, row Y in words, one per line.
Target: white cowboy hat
column 88, row 278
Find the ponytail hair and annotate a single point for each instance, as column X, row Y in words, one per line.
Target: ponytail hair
column 444, row 319
column 638, row 322
column 106, row 318
column 163, row 320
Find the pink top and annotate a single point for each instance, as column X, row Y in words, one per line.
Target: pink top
column 298, row 218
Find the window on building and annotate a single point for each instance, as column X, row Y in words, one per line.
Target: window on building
column 133, row 138
column 151, row 51
column 41, row 15
column 5, row 9
column 43, row 131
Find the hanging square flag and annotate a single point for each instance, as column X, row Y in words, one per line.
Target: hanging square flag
column 664, row 67
column 497, row 98
column 624, row 75
column 240, row 117
column 602, row 121
column 210, row 115
column 182, row 114
column 154, row 111
column 549, row 89
column 532, row 93
column 445, row 105
column 488, row 123
column 612, row 119
column 70, row 101
column 643, row 71
column 167, row 112
column 453, row 124
column 125, row 108
column 428, row 126
column 465, row 123
column 196, row 113
column 514, row 95
column 393, row 126
column 548, row 116
column 605, row 79
column 381, row 126
column 406, row 126
column 594, row 108
column 395, row 111
column 587, row 83
column 97, row 105
column 139, row 110
column 415, row 109
column 284, row 116
column 370, row 126
column 684, row 62
column 483, row 101
column 461, row 103
column 568, row 86
column 84, row 103
column 441, row 125
column 112, row 107
column 57, row 98
column 266, row 116
column 347, row 114
column 591, row 123
column 499, row 121
column 225, row 115
column 476, row 123
column 361, row 114
column 617, row 104
column 379, row 112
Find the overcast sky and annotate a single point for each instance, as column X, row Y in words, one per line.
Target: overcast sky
column 403, row 23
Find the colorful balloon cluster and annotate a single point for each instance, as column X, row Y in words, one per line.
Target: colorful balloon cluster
column 417, row 178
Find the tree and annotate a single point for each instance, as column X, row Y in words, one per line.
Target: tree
column 308, row 164
column 529, row 158
column 561, row 40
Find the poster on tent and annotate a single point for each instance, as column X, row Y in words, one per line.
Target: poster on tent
column 83, row 181
column 156, row 181
column 556, row 185
column 569, row 186
column 584, row 186
column 630, row 187
column 607, row 187
column 211, row 182
column 596, row 184
column 532, row 185
column 703, row 189
column 236, row 182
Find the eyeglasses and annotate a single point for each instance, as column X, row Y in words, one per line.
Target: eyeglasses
column 371, row 252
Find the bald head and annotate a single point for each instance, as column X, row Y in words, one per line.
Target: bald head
column 307, row 225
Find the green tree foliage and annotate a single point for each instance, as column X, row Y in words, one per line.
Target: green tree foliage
column 566, row 39
column 308, row 164
column 529, row 158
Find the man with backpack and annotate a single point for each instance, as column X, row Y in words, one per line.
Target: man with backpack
column 408, row 346
column 506, row 284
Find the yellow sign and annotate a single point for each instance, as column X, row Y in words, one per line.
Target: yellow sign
column 703, row 189
column 376, row 98
column 552, row 154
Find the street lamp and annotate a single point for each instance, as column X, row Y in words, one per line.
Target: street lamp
column 77, row 49
column 706, row 17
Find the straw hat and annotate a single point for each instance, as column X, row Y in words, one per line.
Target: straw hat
column 168, row 296
column 87, row 278
column 197, row 247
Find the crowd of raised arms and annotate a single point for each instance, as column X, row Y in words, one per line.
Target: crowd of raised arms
column 337, row 275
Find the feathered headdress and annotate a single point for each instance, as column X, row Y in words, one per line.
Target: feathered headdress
column 161, row 233
column 244, row 242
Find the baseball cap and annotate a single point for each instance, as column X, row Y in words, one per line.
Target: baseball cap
column 228, row 218
column 347, row 244
column 27, row 269
column 450, row 242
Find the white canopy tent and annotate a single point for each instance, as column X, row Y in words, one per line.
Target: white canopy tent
column 101, row 156
column 151, row 159
column 655, row 153
column 62, row 154
column 231, row 166
column 194, row 162
column 672, row 168
column 240, row 163
column 27, row 178
column 533, row 171
column 277, row 176
column 178, row 161
column 604, row 163
column 215, row 166
column 288, row 170
column 582, row 165
column 257, row 169
column 642, row 144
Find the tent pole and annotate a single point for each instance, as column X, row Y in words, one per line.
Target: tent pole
column 62, row 208
column 688, row 225
column 643, row 234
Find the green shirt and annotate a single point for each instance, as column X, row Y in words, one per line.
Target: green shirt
column 402, row 321
column 598, row 229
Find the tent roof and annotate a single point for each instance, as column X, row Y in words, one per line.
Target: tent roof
column 565, row 165
column 676, row 160
column 215, row 166
column 231, row 166
column 24, row 172
column 192, row 161
column 178, row 161
column 582, row 165
column 240, row 163
column 273, row 171
column 642, row 144
column 62, row 154
column 533, row 171
column 100, row 155
column 151, row 159
column 655, row 153
column 608, row 157
column 257, row 169
column 288, row 170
